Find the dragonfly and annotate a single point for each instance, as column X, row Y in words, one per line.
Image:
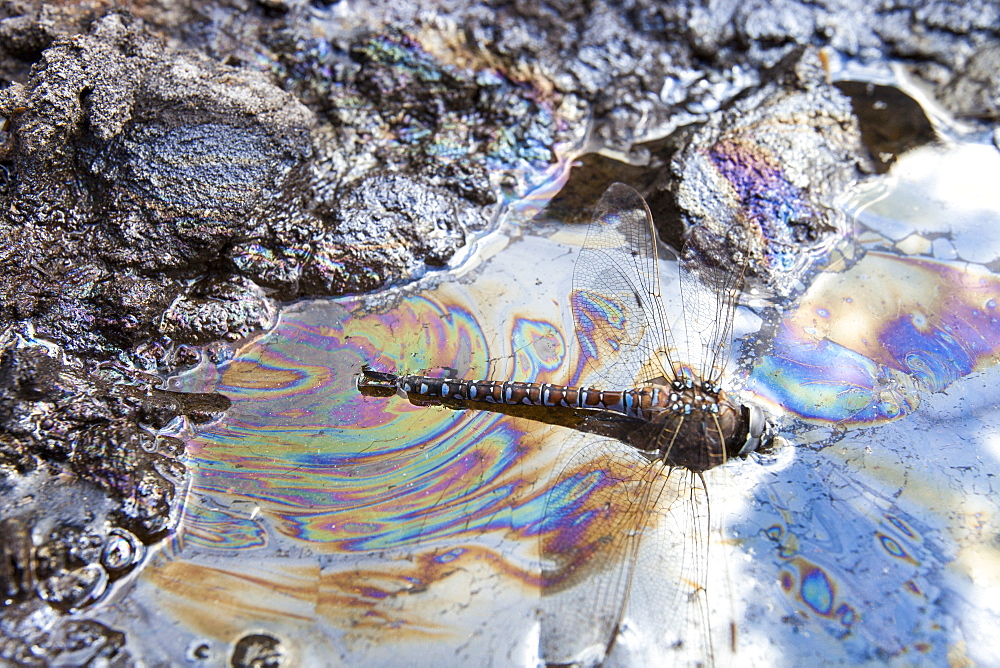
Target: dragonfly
column 662, row 401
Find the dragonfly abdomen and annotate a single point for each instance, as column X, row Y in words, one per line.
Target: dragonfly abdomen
column 643, row 403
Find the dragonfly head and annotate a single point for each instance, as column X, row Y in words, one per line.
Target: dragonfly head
column 759, row 430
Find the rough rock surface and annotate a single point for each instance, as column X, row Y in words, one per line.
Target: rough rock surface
column 762, row 176
column 647, row 65
column 132, row 174
column 87, row 483
column 164, row 196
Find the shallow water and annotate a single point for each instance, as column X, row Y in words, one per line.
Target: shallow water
column 370, row 529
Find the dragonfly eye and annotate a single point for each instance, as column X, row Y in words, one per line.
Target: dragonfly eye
column 756, row 428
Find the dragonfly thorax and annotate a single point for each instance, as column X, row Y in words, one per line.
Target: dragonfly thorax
column 701, row 426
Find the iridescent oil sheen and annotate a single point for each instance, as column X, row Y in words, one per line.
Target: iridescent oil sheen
column 863, row 344
column 875, row 535
column 388, row 476
column 767, row 198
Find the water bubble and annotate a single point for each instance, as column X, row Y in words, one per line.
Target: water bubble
column 122, row 550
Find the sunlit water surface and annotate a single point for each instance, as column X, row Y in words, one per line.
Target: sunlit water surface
column 368, row 530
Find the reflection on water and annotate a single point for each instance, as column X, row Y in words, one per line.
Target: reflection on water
column 368, row 529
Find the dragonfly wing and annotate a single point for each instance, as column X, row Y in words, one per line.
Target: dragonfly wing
column 608, row 510
column 617, row 306
column 594, row 516
column 667, row 618
column 709, row 295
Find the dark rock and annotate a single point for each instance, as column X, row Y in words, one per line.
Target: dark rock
column 132, row 174
column 219, row 308
column 762, row 176
column 160, row 195
column 56, row 420
column 84, row 485
column 28, row 28
column 387, row 228
column 974, row 89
